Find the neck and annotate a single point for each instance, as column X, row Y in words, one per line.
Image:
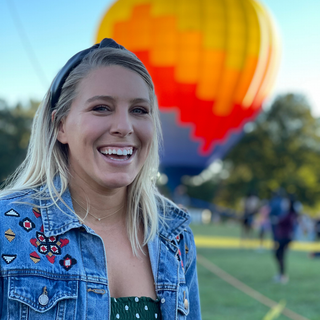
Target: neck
column 105, row 206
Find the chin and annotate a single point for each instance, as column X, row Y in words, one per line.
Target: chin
column 119, row 182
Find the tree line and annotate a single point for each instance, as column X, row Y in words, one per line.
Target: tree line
column 15, row 126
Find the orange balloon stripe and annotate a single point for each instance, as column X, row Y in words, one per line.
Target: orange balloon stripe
column 129, row 32
column 245, row 79
column 163, row 48
column 189, row 57
column 211, row 69
column 229, row 81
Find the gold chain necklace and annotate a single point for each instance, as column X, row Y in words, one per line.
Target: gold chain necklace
column 99, row 219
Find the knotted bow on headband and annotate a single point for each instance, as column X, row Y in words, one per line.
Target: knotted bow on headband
column 73, row 62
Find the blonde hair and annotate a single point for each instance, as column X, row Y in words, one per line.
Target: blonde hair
column 47, row 157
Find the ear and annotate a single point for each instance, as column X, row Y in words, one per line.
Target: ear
column 62, row 134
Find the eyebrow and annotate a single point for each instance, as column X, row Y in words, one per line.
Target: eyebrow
column 110, row 98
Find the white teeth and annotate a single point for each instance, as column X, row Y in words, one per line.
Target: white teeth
column 118, row 152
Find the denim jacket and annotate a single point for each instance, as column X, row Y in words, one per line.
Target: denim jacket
column 54, row 267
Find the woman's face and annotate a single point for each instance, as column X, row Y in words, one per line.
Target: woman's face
column 109, row 128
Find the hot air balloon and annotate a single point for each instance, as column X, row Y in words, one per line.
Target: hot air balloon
column 213, row 62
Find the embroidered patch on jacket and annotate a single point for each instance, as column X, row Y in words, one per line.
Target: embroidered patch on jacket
column 36, row 212
column 12, row 213
column 8, row 258
column 179, row 258
column 49, row 246
column 10, row 235
column 68, row 262
column 179, row 237
column 27, row 224
column 50, row 257
column 34, row 257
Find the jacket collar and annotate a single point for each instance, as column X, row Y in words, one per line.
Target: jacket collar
column 60, row 217
column 59, row 220
column 175, row 220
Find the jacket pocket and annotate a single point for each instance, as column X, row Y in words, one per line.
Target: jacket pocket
column 37, row 295
column 183, row 301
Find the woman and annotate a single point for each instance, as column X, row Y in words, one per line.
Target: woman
column 84, row 232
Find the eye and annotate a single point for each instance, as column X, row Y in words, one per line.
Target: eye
column 140, row 110
column 101, row 108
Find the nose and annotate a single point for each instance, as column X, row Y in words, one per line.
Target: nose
column 121, row 124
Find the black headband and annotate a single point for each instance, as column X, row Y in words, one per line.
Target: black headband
column 55, row 89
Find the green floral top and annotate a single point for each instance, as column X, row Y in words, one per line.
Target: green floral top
column 132, row 308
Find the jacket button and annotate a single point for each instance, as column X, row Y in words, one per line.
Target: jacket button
column 43, row 298
column 186, row 303
column 163, row 300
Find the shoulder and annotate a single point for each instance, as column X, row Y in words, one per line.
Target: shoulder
column 169, row 210
column 16, row 199
column 16, row 208
column 18, row 216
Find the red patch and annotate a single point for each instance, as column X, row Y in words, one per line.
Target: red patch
column 51, row 259
column 34, row 242
column 27, row 224
column 36, row 212
column 52, row 239
column 54, row 249
column 34, row 254
column 34, row 257
column 64, row 242
column 43, row 249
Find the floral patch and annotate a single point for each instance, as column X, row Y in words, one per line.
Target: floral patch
column 49, row 246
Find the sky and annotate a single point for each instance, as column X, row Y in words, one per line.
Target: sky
column 38, row 37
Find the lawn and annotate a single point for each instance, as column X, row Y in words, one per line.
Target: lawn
column 221, row 301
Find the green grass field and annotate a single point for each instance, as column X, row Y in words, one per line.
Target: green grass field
column 221, row 301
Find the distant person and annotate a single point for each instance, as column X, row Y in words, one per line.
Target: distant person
column 283, row 232
column 251, row 207
column 263, row 223
column 279, row 205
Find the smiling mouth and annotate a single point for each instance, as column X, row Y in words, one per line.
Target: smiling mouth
column 118, row 154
